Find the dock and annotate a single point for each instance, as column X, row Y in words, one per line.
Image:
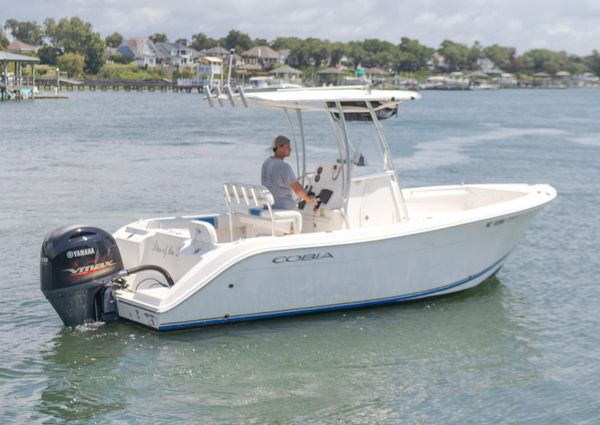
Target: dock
column 50, row 96
column 117, row 85
column 15, row 86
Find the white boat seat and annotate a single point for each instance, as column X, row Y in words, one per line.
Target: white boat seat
column 281, row 218
column 203, row 232
column 288, row 215
column 277, row 214
column 253, row 205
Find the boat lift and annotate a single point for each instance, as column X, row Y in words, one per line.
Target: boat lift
column 11, row 88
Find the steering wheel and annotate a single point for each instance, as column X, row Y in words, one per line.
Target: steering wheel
column 309, row 192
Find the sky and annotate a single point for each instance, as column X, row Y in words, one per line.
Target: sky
column 569, row 25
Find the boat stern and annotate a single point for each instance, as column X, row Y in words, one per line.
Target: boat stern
column 136, row 311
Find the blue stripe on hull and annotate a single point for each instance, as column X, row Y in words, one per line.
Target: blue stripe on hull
column 362, row 304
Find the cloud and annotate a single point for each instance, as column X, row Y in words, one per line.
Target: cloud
column 573, row 26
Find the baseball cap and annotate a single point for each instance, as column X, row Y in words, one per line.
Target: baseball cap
column 279, row 141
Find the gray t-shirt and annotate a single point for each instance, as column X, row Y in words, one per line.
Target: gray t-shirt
column 277, row 175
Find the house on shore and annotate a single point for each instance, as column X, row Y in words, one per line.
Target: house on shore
column 377, row 76
column 263, row 56
column 287, row 74
column 437, row 63
column 141, row 50
column 217, row 52
column 145, row 53
column 175, row 54
column 330, row 77
column 210, row 68
column 488, row 67
column 541, row 79
column 19, row 47
column 587, row 79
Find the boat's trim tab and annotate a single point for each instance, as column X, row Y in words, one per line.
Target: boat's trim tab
column 371, row 303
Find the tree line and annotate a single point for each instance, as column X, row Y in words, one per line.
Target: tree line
column 73, row 43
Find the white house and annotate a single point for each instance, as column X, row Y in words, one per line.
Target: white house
column 209, row 67
column 487, row 66
column 141, row 50
column 175, row 54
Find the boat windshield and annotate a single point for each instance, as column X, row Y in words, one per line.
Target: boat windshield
column 357, row 139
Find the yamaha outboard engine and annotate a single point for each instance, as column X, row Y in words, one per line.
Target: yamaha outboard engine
column 77, row 266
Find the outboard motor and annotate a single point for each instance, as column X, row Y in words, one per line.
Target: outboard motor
column 77, row 266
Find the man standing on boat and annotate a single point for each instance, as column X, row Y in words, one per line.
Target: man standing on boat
column 278, row 176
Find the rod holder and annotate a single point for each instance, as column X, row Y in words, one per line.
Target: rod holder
column 208, row 94
column 229, row 94
column 219, row 99
column 243, row 96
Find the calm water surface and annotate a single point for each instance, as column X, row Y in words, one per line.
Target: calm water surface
column 523, row 348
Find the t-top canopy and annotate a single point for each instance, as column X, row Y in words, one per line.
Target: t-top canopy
column 325, row 98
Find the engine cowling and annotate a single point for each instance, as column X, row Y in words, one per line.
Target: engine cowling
column 77, row 265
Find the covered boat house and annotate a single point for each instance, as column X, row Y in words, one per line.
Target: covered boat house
column 13, row 85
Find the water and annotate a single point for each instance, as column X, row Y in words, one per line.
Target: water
column 522, row 348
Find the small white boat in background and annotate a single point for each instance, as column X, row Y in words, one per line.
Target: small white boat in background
column 366, row 242
column 268, row 83
column 483, row 85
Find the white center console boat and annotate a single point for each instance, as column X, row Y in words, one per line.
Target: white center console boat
column 366, row 242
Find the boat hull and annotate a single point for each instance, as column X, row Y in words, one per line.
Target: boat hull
column 342, row 274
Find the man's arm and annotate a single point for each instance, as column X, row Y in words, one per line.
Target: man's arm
column 299, row 190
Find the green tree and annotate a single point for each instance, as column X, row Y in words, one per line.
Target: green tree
column 290, row 43
column 374, row 45
column 503, row 57
column 413, row 55
column 72, row 63
column 95, row 55
column 311, row 51
column 238, row 41
column 50, row 29
column 455, row 54
column 201, row 41
column 576, row 65
column 183, row 41
column 475, row 53
column 25, row 31
column 357, row 53
column 337, row 52
column 319, row 50
column 3, row 40
column 114, row 40
column 120, row 58
column 387, row 59
column 286, row 43
column 159, row 37
column 70, row 34
column 73, row 35
column 260, row 42
column 544, row 60
column 48, row 54
column 593, row 62
column 378, row 53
